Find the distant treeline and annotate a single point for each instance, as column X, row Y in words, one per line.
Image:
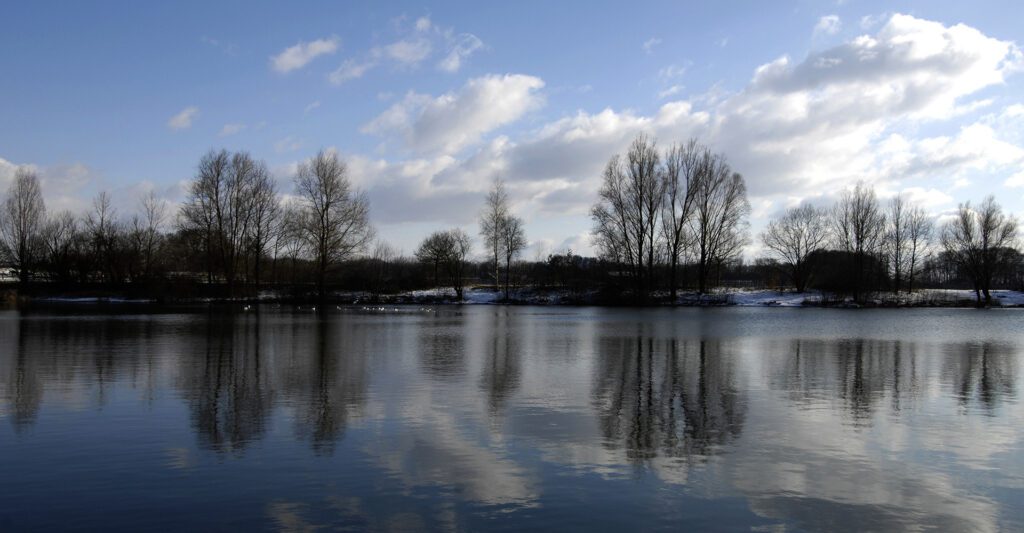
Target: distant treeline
column 664, row 221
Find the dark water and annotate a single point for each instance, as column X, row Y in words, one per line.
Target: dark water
column 480, row 418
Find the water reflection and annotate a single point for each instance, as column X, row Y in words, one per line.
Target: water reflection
column 226, row 382
column 676, row 397
column 452, row 419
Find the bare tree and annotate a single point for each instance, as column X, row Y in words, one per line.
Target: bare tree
column 719, row 222
column 492, row 222
column 335, row 219
column 897, row 239
column 680, row 179
column 21, row 223
column 513, row 240
column 981, row 241
column 102, row 228
column 858, row 226
column 383, row 257
column 627, row 212
column 792, row 237
column 61, row 239
column 920, row 228
column 151, row 220
column 447, row 250
column 202, row 209
column 265, row 209
column 289, row 238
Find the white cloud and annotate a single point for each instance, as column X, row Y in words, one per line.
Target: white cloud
column 670, row 91
column 828, row 25
column 798, row 130
column 463, row 46
column 349, row 70
column 310, row 107
column 649, row 44
column 1015, row 181
column 407, row 52
column 183, row 120
column 452, row 121
column 299, row 55
column 230, row 129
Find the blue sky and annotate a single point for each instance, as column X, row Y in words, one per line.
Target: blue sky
column 428, row 102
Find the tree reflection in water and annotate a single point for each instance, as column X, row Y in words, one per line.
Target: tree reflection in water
column 671, row 396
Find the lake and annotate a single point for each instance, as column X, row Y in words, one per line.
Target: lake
column 471, row 418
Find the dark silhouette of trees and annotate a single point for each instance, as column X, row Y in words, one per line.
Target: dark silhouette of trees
column 334, row 219
column 719, row 223
column 680, row 182
column 446, row 251
column 664, row 222
column 858, row 227
column 627, row 212
column 792, row 237
column 980, row 240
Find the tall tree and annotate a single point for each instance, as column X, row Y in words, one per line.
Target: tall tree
column 21, row 223
column 792, row 237
column 981, row 240
column 858, row 226
column 203, row 209
column 335, row 220
column 151, row 220
column 627, row 212
column 719, row 221
column 680, row 180
column 513, row 240
column 897, row 239
column 265, row 207
column 492, row 224
column 920, row 228
column 101, row 226
column 61, row 241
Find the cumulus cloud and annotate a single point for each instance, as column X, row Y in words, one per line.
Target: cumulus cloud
column 183, row 120
column 72, row 186
column 302, row 53
column 797, row 130
column 454, row 120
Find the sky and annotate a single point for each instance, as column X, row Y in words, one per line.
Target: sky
column 428, row 103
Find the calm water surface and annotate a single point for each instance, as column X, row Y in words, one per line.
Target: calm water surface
column 480, row 418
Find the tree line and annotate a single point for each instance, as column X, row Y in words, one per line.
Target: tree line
column 665, row 220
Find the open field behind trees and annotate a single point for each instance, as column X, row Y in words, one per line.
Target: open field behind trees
column 670, row 224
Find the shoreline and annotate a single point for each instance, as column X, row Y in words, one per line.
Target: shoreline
column 924, row 298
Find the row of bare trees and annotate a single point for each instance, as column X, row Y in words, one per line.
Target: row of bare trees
column 890, row 241
column 685, row 205
column 233, row 216
column 664, row 219
column 234, row 207
column 97, row 244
